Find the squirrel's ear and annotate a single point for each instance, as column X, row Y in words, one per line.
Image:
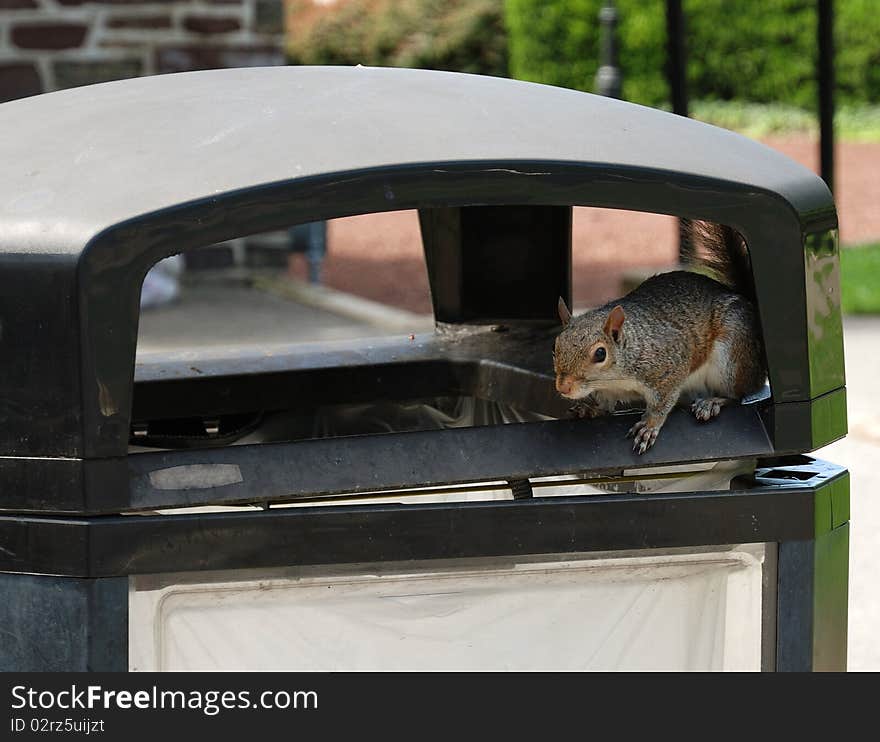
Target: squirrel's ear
column 614, row 322
column 564, row 313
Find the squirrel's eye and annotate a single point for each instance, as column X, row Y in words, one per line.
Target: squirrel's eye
column 599, row 355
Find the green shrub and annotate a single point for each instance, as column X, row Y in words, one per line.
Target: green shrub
column 557, row 42
column 860, row 279
column 767, row 54
column 458, row 35
column 737, row 50
column 857, row 36
column 747, row 51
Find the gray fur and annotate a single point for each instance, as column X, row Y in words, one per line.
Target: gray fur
column 684, row 336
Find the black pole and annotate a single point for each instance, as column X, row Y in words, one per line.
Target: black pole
column 609, row 80
column 826, row 90
column 676, row 71
column 676, row 51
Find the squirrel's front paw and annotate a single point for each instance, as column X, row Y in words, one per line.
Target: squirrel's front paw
column 706, row 409
column 643, row 434
column 584, row 408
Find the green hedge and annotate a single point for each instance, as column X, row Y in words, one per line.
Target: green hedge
column 738, row 49
column 458, row 35
column 557, row 42
column 749, row 51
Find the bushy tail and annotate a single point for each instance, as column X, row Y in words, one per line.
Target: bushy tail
column 719, row 251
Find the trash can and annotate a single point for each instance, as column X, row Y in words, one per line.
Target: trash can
column 131, row 525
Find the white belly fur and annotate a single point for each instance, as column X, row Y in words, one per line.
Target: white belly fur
column 627, row 393
column 712, row 379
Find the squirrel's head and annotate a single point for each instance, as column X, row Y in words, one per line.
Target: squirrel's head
column 586, row 352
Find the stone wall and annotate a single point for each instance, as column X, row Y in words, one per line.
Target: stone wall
column 53, row 44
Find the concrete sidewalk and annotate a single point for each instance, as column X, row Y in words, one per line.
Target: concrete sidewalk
column 222, row 314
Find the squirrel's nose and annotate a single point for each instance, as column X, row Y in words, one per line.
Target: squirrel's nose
column 564, row 384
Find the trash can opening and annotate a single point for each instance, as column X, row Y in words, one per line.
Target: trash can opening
column 328, row 367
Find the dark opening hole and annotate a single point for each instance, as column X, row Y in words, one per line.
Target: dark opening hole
column 802, row 476
column 786, row 461
column 327, row 421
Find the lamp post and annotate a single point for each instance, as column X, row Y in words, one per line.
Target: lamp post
column 608, row 78
column 676, row 57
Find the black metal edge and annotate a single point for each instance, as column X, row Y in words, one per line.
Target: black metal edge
column 308, row 389
column 121, row 545
column 812, row 589
column 476, row 360
column 824, row 318
column 108, row 629
column 832, row 486
column 807, row 426
column 812, row 607
column 769, row 600
column 113, row 265
column 44, row 545
column 63, row 624
column 249, row 361
column 794, row 609
column 831, row 600
column 278, row 471
column 275, row 472
column 63, row 485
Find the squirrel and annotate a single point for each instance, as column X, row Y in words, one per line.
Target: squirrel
column 680, row 336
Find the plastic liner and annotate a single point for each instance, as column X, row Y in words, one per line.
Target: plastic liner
column 371, row 418
column 694, row 610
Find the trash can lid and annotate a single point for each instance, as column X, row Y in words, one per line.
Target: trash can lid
column 78, row 161
column 101, row 182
